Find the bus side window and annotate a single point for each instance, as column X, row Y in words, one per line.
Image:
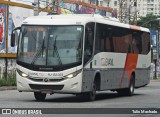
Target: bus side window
column 145, row 43
column 111, row 41
column 137, row 43
column 135, row 49
column 107, row 45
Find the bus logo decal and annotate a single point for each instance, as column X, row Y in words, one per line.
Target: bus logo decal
column 45, row 79
column 107, row 62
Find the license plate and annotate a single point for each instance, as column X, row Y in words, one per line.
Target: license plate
column 46, row 91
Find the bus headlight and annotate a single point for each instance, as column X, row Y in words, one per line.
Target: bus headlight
column 73, row 74
column 22, row 73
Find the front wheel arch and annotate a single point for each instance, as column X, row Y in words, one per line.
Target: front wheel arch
column 97, row 81
column 91, row 95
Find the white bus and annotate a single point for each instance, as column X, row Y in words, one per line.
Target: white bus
column 81, row 54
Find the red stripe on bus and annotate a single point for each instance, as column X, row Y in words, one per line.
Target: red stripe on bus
column 130, row 66
column 135, row 27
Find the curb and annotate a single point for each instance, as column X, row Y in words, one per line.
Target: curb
column 155, row 80
column 8, row 88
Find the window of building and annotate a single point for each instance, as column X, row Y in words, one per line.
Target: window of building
column 115, row 3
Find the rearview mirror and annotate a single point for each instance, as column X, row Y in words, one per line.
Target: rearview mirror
column 13, row 36
column 12, row 40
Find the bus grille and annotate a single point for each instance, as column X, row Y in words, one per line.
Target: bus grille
column 42, row 80
column 40, row 87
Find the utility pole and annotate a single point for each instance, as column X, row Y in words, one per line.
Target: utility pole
column 6, row 59
column 122, row 10
column 133, row 12
column 36, row 8
column 128, row 11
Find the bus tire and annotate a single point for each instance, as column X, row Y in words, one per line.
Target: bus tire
column 91, row 96
column 130, row 90
column 39, row 96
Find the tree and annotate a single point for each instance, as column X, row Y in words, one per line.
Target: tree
column 150, row 21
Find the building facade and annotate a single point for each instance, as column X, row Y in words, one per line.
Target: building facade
column 143, row 7
column 148, row 6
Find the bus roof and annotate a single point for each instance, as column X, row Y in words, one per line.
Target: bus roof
column 77, row 19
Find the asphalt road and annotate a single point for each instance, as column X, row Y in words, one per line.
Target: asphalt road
column 146, row 97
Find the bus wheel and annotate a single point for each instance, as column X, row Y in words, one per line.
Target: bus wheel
column 92, row 94
column 39, row 96
column 130, row 89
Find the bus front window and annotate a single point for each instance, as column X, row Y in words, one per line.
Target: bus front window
column 50, row 45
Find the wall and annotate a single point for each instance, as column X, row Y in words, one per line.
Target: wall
column 10, row 68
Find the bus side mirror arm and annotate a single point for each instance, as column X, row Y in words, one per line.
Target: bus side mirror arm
column 13, row 36
column 12, row 39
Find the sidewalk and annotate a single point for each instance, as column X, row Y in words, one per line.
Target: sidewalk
column 155, row 80
column 8, row 88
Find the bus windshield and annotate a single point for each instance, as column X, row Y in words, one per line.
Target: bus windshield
column 50, row 45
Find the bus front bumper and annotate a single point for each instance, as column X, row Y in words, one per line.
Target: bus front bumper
column 72, row 85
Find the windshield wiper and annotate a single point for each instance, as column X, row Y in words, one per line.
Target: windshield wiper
column 39, row 51
column 55, row 49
